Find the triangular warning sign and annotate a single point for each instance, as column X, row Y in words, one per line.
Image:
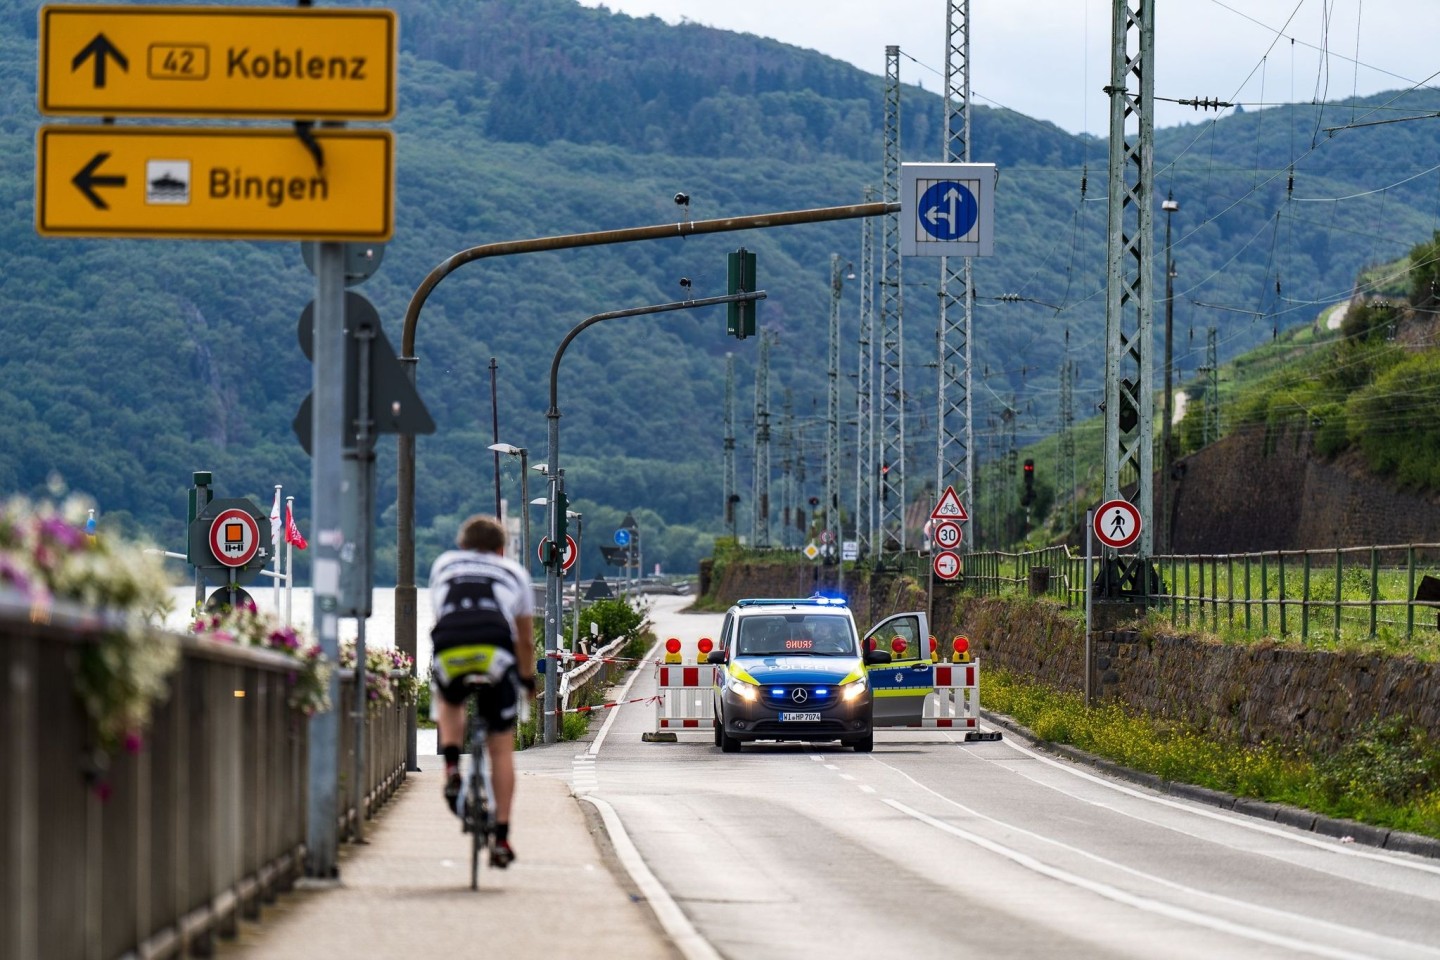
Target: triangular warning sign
column 949, row 507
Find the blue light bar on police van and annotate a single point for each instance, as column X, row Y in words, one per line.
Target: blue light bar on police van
column 816, row 600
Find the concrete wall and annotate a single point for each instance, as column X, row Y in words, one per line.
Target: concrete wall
column 1257, row 693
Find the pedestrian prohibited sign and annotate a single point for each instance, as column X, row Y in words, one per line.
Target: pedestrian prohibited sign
column 234, row 537
column 947, row 534
column 1117, row 523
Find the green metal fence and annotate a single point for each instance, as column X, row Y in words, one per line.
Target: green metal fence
column 1356, row 593
column 1344, row 592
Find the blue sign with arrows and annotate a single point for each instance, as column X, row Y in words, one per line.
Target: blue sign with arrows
column 622, row 538
column 948, row 210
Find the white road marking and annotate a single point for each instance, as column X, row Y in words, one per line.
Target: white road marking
column 615, row 711
column 1109, row 892
column 672, row 919
column 846, row 776
column 866, row 788
column 1199, row 810
column 1162, row 881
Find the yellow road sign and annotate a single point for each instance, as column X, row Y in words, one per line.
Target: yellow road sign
column 214, row 183
column 218, row 62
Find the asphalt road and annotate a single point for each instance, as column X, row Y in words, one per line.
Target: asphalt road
column 985, row 849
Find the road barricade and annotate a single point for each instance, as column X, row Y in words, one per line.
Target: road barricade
column 956, row 700
column 684, row 699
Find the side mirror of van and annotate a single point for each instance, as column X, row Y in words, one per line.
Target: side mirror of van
column 717, row 657
column 877, row 657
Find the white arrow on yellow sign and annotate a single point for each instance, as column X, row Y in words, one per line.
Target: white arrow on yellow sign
column 217, row 62
column 212, row 184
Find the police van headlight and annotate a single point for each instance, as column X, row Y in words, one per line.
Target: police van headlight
column 853, row 690
column 745, row 691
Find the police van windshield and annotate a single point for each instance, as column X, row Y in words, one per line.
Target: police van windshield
column 795, row 633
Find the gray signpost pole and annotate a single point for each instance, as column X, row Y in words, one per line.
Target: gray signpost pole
column 359, row 571
column 327, row 423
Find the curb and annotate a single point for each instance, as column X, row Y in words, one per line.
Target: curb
column 1361, row 833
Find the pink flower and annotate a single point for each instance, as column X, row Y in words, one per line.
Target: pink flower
column 133, row 741
column 102, row 790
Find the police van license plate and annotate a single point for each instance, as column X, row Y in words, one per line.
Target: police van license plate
column 787, row 717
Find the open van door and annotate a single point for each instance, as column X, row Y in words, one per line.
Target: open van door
column 898, row 689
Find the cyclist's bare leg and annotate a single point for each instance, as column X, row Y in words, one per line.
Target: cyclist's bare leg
column 502, row 772
column 450, row 719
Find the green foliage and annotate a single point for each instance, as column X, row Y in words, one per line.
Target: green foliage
column 616, row 618
column 1395, row 421
column 1425, row 274
column 1387, row 761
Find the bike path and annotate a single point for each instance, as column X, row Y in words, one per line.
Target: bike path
column 407, row 892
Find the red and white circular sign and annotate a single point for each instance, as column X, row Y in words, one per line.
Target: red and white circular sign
column 571, row 548
column 946, row 565
column 1117, row 523
column 234, row 537
column 947, row 534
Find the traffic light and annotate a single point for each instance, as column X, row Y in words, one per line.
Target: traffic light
column 562, row 522
column 1029, row 495
column 740, row 315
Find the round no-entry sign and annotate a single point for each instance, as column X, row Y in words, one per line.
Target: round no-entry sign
column 946, row 565
column 1117, row 523
column 567, row 561
column 947, row 534
column 234, row 537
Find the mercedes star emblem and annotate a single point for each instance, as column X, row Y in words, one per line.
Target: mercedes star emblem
column 799, row 695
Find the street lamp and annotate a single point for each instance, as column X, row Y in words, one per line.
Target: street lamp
column 521, row 452
column 1170, row 206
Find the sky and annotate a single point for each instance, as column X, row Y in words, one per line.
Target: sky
column 1246, row 51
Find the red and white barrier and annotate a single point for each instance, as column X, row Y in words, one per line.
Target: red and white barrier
column 684, row 696
column 956, row 700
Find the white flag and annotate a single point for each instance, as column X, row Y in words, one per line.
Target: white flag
column 275, row 526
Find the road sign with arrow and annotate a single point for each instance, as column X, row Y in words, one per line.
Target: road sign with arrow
column 112, row 60
column 947, row 209
column 214, row 183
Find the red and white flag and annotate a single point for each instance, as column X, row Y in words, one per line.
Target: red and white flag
column 292, row 532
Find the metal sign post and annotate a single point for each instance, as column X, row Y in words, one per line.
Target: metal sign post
column 1089, row 592
column 327, row 427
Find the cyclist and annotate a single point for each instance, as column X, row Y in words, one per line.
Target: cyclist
column 483, row 604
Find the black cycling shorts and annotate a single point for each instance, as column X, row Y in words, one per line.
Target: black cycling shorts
column 497, row 702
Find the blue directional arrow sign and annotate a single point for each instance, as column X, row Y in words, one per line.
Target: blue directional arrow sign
column 948, row 210
column 622, row 538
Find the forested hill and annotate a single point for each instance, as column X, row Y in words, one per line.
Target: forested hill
column 128, row 364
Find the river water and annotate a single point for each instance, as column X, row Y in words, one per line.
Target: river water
column 379, row 628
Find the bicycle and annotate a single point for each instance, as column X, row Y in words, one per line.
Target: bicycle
column 477, row 801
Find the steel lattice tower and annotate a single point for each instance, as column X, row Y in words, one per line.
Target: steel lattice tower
column 1129, row 396
column 832, row 411
column 728, row 470
column 1065, row 470
column 892, row 328
column 787, row 475
column 761, row 531
column 864, row 379
column 955, row 432
column 1212, row 388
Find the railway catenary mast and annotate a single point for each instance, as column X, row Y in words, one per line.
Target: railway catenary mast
column 891, row 480
column 1129, row 307
column 865, row 484
column 956, row 433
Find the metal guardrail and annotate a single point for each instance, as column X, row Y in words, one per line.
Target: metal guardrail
column 200, row 827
